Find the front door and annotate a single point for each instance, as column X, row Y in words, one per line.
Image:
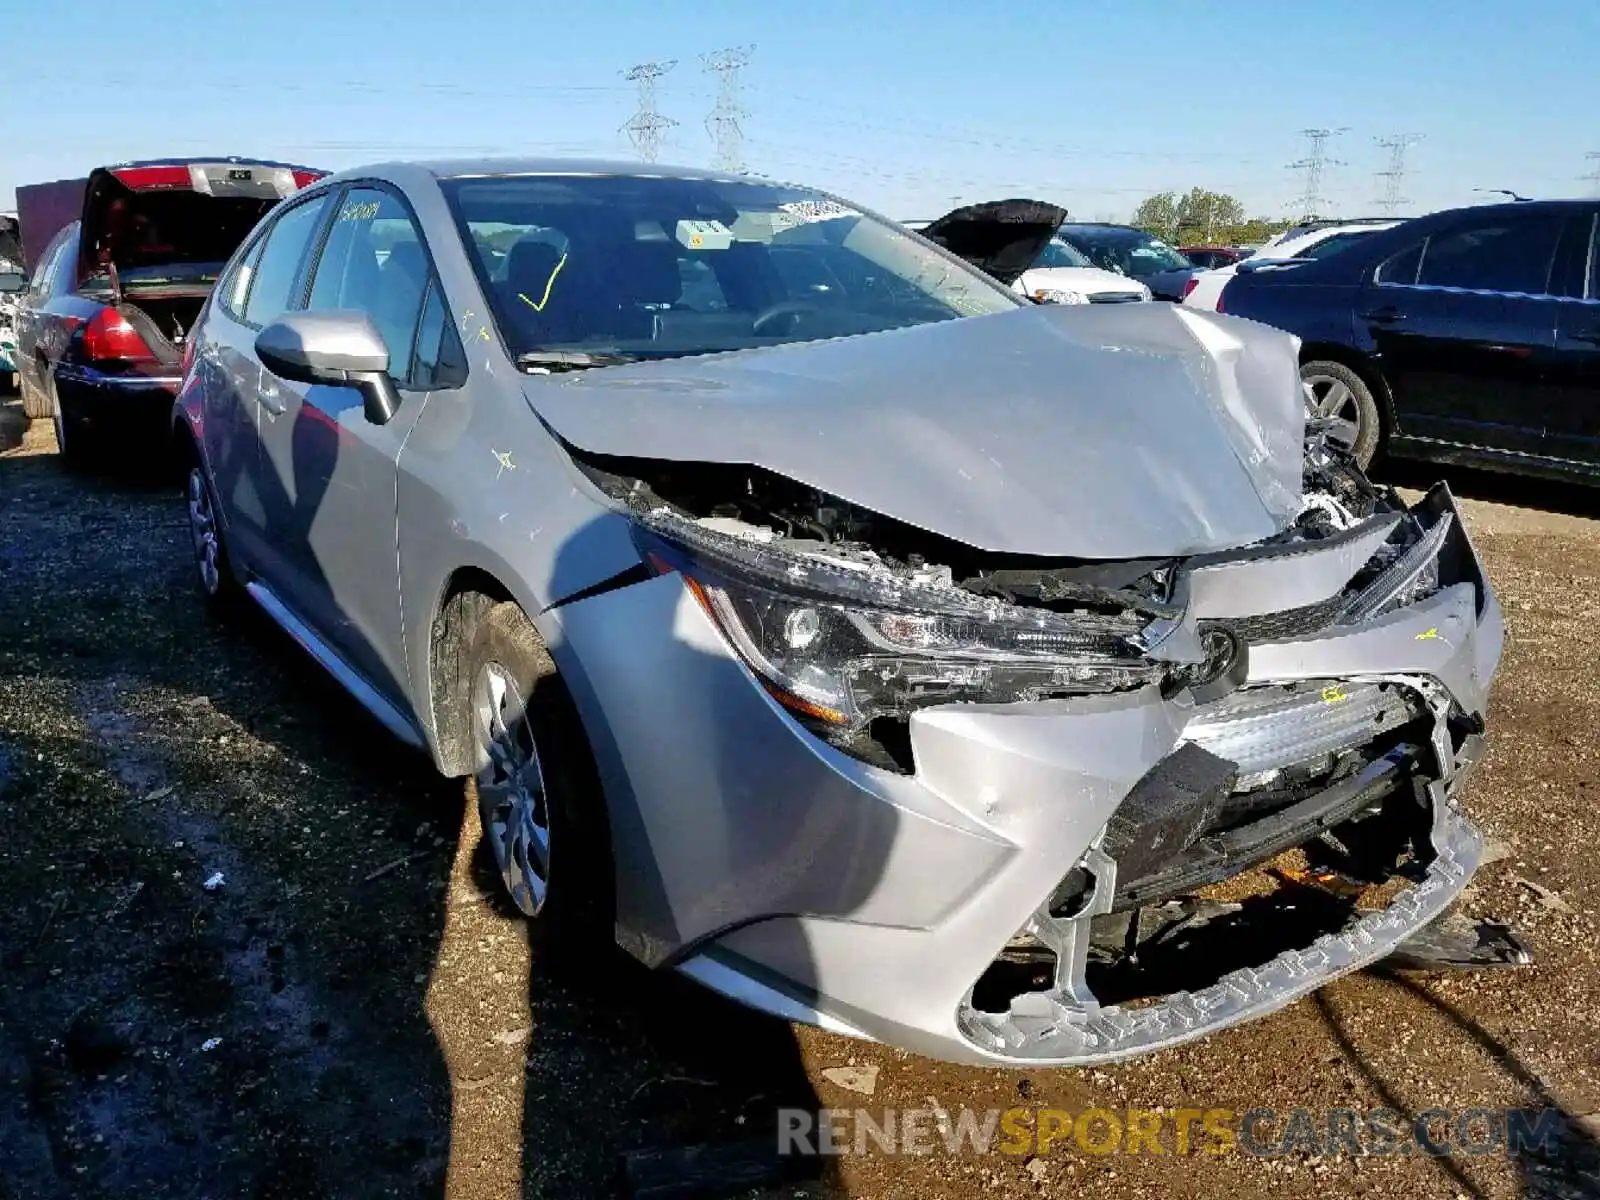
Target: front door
column 1464, row 326
column 336, row 470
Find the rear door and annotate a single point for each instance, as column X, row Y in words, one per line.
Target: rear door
column 265, row 282
column 1464, row 325
column 1574, row 433
column 32, row 321
column 341, row 470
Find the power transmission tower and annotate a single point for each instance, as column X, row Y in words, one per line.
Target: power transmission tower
column 645, row 127
column 1313, row 164
column 723, row 123
column 1593, row 177
column 1397, row 146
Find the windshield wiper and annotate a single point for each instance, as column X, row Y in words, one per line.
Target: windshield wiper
column 552, row 361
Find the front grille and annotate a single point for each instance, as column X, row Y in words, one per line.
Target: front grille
column 1115, row 297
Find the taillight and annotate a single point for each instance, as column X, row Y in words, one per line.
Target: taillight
column 149, row 178
column 1189, row 285
column 1220, row 295
column 109, row 336
column 306, row 178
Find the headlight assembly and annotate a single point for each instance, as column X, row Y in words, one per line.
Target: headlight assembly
column 1059, row 296
column 842, row 643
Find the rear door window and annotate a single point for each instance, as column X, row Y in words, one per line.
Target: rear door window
column 272, row 291
column 1506, row 253
column 375, row 262
column 235, row 285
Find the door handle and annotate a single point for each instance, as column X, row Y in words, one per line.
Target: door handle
column 1590, row 337
column 1388, row 314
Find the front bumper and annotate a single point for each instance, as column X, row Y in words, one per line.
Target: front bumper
column 807, row 884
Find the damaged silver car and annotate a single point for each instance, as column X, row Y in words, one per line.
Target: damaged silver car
column 818, row 618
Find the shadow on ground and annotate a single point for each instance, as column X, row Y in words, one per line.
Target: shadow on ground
column 249, row 946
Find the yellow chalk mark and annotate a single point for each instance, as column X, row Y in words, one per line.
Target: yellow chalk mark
column 1334, row 694
column 538, row 305
column 1428, row 635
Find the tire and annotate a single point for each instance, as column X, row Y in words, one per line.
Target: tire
column 219, row 589
column 566, row 888
column 37, row 405
column 1337, row 391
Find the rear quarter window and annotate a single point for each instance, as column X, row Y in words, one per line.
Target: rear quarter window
column 1402, row 267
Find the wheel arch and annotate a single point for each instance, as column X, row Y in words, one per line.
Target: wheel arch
column 468, row 593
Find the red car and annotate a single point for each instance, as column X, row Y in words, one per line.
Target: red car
column 1211, row 257
column 122, row 263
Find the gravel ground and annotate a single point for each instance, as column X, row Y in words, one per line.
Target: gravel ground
column 249, row 947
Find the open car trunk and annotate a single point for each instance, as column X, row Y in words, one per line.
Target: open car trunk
column 1002, row 238
column 163, row 322
column 156, row 235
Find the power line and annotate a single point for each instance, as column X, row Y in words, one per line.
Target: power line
column 1313, row 165
column 645, row 127
column 723, row 123
column 1593, row 177
column 1397, row 146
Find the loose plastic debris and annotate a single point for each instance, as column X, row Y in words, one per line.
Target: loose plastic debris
column 214, row 882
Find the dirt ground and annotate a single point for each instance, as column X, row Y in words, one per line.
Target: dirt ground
column 248, row 946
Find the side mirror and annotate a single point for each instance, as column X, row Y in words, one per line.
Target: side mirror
column 341, row 349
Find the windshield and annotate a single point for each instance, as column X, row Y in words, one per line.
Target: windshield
column 1127, row 251
column 1057, row 253
column 644, row 267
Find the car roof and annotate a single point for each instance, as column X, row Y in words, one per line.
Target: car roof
column 463, row 168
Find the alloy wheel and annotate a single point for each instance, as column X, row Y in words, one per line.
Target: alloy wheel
column 1333, row 399
column 203, row 533
column 512, row 800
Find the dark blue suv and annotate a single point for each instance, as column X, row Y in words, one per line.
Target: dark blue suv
column 1470, row 336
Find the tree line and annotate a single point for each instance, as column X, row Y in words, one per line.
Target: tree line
column 1203, row 218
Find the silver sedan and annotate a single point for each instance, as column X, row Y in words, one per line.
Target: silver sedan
column 823, row 621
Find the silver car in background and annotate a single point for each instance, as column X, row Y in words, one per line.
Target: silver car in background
column 822, row 620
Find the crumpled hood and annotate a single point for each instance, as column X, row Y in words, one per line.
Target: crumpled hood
column 1143, row 430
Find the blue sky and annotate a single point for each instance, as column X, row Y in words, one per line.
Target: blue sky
column 906, row 107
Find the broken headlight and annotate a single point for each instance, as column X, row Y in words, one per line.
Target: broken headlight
column 1411, row 575
column 844, row 643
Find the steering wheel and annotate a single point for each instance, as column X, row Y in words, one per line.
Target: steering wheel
column 783, row 308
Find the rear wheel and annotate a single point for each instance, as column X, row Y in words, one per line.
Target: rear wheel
column 37, row 404
column 1341, row 395
column 534, row 781
column 218, row 587
column 72, row 440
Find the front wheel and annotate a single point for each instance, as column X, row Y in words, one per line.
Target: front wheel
column 536, row 786
column 1341, row 395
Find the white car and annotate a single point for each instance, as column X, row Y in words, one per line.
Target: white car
column 1015, row 242
column 1298, row 242
column 1062, row 275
